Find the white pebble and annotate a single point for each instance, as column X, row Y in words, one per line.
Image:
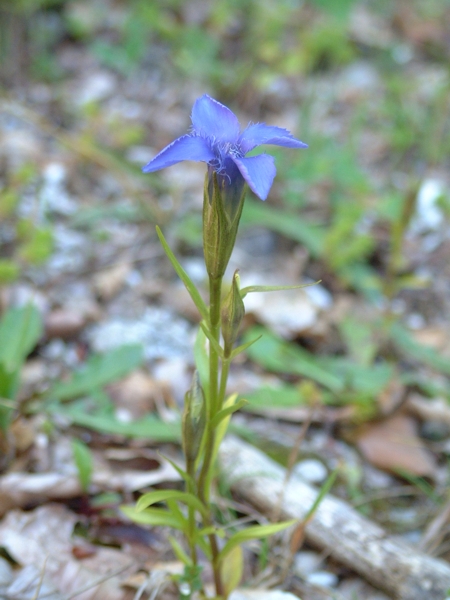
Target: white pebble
column 306, row 562
column 311, row 470
column 323, row 579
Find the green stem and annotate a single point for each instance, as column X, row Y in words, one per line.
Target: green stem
column 223, row 380
column 190, row 487
column 216, row 565
column 203, row 488
column 215, row 291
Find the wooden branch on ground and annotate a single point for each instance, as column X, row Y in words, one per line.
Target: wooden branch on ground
column 389, row 564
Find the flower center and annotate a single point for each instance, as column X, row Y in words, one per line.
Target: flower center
column 224, row 151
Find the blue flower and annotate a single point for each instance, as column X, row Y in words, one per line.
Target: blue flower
column 216, row 139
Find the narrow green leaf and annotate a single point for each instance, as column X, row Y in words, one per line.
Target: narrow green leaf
column 204, row 546
column 193, row 292
column 181, row 472
column 150, row 427
column 9, row 271
column 288, row 224
column 173, row 507
column 208, row 531
column 211, row 339
column 20, row 330
column 286, row 395
column 99, row 371
column 405, row 342
column 9, row 384
column 202, row 360
column 243, row 347
column 163, row 495
column 154, row 516
column 179, row 552
column 321, row 495
column 273, row 288
column 280, row 356
column 256, row 532
column 83, row 461
column 223, row 424
column 12, row 404
column 225, row 412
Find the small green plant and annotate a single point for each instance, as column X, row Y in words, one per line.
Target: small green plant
column 29, row 244
column 20, row 330
column 217, row 141
column 83, row 461
column 83, row 401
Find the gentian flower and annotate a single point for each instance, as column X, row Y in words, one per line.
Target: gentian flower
column 216, row 139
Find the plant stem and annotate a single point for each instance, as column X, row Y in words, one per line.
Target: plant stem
column 223, row 380
column 214, row 400
column 204, row 494
column 190, row 488
column 215, row 290
column 216, row 565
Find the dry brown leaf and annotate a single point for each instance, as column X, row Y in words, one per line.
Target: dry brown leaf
column 393, row 445
column 23, row 432
column 391, row 397
column 64, row 323
column 136, row 394
column 19, row 489
column 437, row 409
column 432, row 337
column 417, row 29
column 42, row 539
column 109, row 282
column 159, row 576
column 177, row 297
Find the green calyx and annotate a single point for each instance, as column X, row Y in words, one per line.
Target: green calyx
column 194, row 419
column 233, row 311
column 221, row 214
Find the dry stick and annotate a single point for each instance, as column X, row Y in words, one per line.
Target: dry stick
column 85, row 588
column 99, row 581
column 309, row 591
column 293, row 455
column 353, row 540
column 404, row 490
column 288, row 557
column 41, row 580
column 436, row 530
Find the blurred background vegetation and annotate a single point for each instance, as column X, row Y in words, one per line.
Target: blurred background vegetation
column 350, row 64
column 365, row 83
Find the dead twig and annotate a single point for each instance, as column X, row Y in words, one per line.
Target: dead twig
column 436, row 530
column 351, row 539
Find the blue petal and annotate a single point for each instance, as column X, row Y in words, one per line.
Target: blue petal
column 259, row 172
column 214, row 120
column 260, row 133
column 186, row 147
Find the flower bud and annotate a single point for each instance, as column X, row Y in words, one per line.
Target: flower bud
column 233, row 311
column 194, row 419
column 222, row 207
